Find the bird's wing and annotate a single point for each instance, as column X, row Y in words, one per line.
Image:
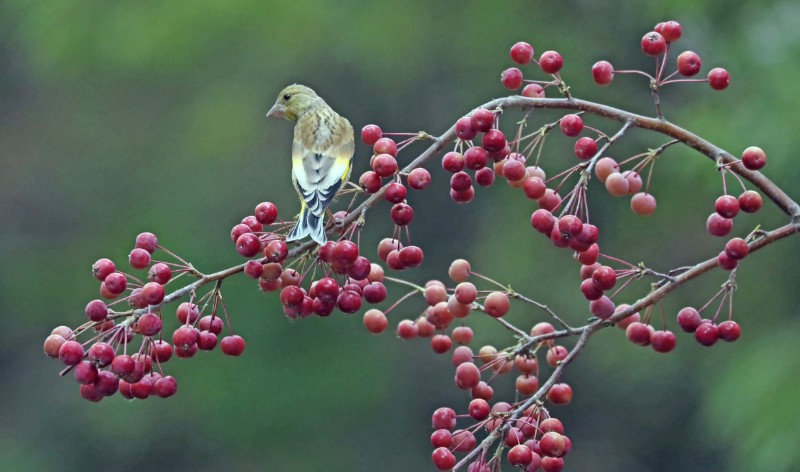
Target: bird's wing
column 318, row 173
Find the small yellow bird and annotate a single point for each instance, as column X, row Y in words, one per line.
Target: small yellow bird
column 322, row 152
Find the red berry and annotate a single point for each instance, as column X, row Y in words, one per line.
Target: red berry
column 550, row 62
column 533, row 91
column 717, row 225
column 385, row 165
column 602, row 308
column 146, row 241
column 737, row 248
column 727, row 206
column 123, row 365
column 443, row 459
column 411, row 256
column 101, row 354
column 726, row 262
column 85, row 372
column 139, row 258
column 514, row 171
column 467, row 375
column 617, row 185
column 402, row 214
column 385, row 146
column 719, row 78
column 604, row 278
column 453, row 162
column 754, row 158
column 349, row 301
column 638, row 333
column 689, row 319
column 571, row 125
column 653, row 44
column 149, row 324
column 671, row 30
column 152, row 293
column 552, row 464
column 560, row 394
column 162, row 351
column 485, row 177
column 252, row 223
column 96, row 310
column 493, row 141
column 521, row 53
column 441, row 343
column 239, row 230
column 419, row 179
column 585, row 148
column 511, row 78
column 165, row 386
column 248, row 245
column 520, row 456
column 232, row 345
column 370, row 134
column 102, row 269
column 369, row 181
column 662, row 341
column 706, row 334
column 460, row 181
column 407, row 329
column 552, row 443
column 543, row 221
column 603, row 72
column 729, row 331
column 444, row 418
column 570, row 225
column 750, row 201
column 70, row 353
column 266, row 213
column 160, row 273
column 496, row 304
column 459, row 270
column 482, row 120
column 395, row 192
column 464, row 129
column 556, row 354
column 185, row 337
column 211, row 323
column 689, row 63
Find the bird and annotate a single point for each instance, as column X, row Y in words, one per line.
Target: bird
column 322, row 153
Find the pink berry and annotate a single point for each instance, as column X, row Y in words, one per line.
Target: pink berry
column 385, row 165
column 146, row 241
column 533, row 91
column 643, row 204
column 102, row 269
column 139, row 258
column 419, row 179
column 671, row 30
column 385, row 146
column 689, row 319
column 96, row 310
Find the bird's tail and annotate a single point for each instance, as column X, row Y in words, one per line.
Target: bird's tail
column 308, row 224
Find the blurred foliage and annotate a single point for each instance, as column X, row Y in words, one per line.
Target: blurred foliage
column 119, row 117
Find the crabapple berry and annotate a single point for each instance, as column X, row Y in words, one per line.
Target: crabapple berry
column 717, row 225
column 511, row 78
column 266, row 213
column 662, row 341
column 737, row 248
column 719, row 78
column 385, row 146
column 689, row 63
column 419, row 179
column 603, row 72
column 727, row 206
column 689, row 319
column 139, row 258
column 571, row 125
column 370, row 134
column 643, row 204
column 533, row 91
column 754, row 158
column 232, row 345
column 706, row 334
column 464, row 129
column 521, row 53
column 653, row 43
column 585, row 148
column 750, row 201
column 482, row 120
column 729, row 331
column 551, row 62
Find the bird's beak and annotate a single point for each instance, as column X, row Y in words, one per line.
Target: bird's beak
column 277, row 111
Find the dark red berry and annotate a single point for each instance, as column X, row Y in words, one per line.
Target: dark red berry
column 727, row 206
column 102, row 268
column 585, row 148
column 737, row 248
column 706, row 334
column 152, row 293
column 663, row 341
column 146, row 241
column 717, row 225
column 493, row 140
column 266, row 213
column 149, row 324
column 139, row 258
column 70, row 352
column 385, row 165
column 754, row 158
column 482, row 120
column 369, row 181
column 402, row 214
column 464, row 129
column 419, row 179
column 248, row 245
column 689, row 319
column 571, row 125
column 96, row 310
column 729, row 331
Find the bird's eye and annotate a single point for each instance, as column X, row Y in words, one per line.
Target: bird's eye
column 287, row 97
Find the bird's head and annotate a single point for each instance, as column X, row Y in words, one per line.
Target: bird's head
column 293, row 101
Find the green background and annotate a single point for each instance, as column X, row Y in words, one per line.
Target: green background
column 121, row 117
